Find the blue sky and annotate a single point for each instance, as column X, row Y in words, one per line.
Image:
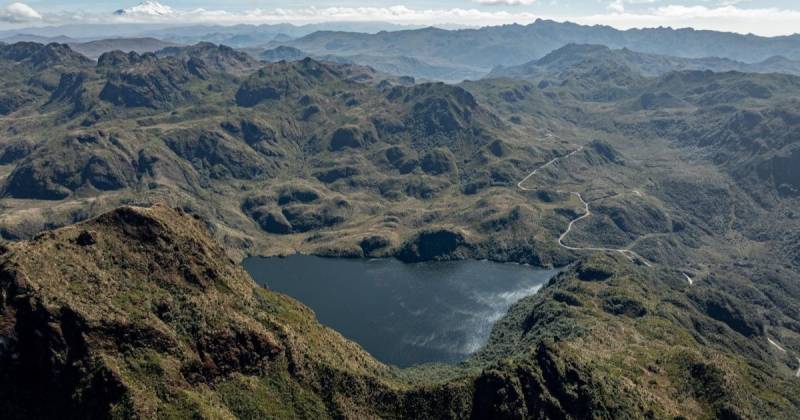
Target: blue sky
column 765, row 17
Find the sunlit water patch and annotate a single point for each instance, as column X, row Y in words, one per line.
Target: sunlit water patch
column 404, row 314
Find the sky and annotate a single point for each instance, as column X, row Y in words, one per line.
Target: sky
column 762, row 17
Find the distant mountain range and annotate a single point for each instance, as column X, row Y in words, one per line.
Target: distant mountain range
column 565, row 60
column 397, row 65
column 448, row 55
column 480, row 50
column 233, row 35
column 94, row 49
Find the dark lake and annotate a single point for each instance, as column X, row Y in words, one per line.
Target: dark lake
column 403, row 314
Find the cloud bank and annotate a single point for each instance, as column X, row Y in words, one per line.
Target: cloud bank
column 19, row 13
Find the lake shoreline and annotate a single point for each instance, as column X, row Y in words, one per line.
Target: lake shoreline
column 405, row 314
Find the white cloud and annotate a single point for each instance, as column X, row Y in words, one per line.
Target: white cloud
column 152, row 11
column 506, row 2
column 762, row 21
column 619, row 5
column 19, row 13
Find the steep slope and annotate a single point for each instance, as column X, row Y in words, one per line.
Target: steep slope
column 145, row 81
column 31, row 71
column 139, row 314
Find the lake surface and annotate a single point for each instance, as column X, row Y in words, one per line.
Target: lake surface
column 403, row 314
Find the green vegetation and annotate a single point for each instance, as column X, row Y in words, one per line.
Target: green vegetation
column 139, row 313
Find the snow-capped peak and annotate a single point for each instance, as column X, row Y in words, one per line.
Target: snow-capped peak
column 146, row 8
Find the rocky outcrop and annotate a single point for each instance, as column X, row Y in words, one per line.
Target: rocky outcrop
column 58, row 168
column 41, row 57
column 135, row 80
column 349, row 137
column 284, row 79
column 371, row 244
column 437, row 244
column 296, row 209
column 439, row 162
column 215, row 155
column 217, row 58
column 332, row 175
column 547, row 386
column 402, row 159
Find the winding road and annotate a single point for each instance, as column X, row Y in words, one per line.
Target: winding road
column 689, row 279
column 783, row 350
column 633, row 256
column 776, row 345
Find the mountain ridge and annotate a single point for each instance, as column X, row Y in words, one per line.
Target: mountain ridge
column 648, row 65
column 487, row 47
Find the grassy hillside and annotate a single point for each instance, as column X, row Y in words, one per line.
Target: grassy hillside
column 692, row 172
column 93, row 316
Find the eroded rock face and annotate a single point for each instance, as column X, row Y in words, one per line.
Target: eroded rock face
column 205, row 56
column 297, row 194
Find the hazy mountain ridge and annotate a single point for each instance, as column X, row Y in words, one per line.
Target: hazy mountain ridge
column 397, row 65
column 453, row 55
column 94, row 49
column 648, row 65
column 242, row 35
column 485, row 48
